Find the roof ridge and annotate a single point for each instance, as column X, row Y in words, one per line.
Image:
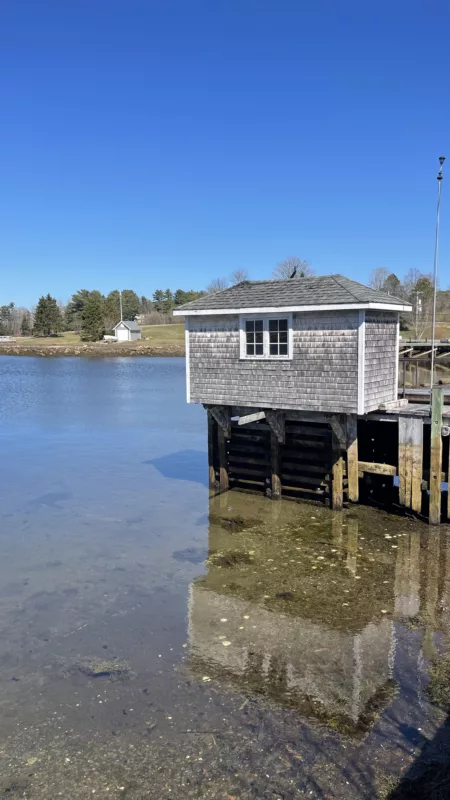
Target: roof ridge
column 335, row 278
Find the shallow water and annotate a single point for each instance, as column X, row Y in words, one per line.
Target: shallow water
column 158, row 644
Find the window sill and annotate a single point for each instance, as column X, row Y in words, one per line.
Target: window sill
column 265, row 358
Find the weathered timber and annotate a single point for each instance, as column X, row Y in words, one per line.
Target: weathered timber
column 402, row 438
column 352, row 458
column 320, row 431
column 377, row 469
column 295, row 466
column 212, row 438
column 416, row 463
column 243, row 459
column 223, row 462
column 276, row 421
column 258, row 472
column 408, row 462
column 402, row 402
column 337, row 488
column 248, row 418
column 338, row 431
column 448, row 490
column 222, row 415
column 437, row 402
column 275, row 462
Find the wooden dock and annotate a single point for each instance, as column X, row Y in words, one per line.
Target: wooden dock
column 398, row 456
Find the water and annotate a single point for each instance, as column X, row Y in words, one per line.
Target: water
column 159, row 644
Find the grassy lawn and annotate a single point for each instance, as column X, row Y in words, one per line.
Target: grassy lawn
column 152, row 334
column 69, row 337
column 164, row 334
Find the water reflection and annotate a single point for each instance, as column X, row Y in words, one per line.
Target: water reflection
column 316, row 611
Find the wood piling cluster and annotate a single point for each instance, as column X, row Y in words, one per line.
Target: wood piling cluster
column 314, row 456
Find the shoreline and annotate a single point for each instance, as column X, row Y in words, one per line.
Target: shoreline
column 93, row 350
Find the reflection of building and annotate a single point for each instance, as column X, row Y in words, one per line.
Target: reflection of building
column 306, row 620
column 320, row 613
column 291, row 659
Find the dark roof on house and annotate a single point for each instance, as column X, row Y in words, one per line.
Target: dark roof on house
column 315, row 291
column 131, row 324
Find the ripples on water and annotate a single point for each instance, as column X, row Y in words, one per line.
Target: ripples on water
column 156, row 643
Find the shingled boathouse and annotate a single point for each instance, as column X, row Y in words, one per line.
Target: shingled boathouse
column 289, row 371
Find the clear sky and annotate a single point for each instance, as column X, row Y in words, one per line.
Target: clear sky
column 162, row 143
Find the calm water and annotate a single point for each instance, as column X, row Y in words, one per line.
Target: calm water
column 158, row 644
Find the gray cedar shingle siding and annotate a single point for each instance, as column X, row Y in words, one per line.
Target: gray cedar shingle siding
column 380, row 359
column 322, row 375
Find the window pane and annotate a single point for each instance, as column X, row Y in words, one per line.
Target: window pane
column 259, row 349
column 283, row 336
column 273, row 338
column 273, row 349
column 283, row 350
column 250, row 349
column 273, row 324
column 259, row 338
column 282, row 323
column 250, row 338
column 249, row 325
column 258, row 325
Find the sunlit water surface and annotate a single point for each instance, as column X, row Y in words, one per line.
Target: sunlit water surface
column 158, row 644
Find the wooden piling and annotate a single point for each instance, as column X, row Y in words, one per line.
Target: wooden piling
column 403, row 432
column 223, row 461
column 352, row 458
column 416, row 432
column 448, row 482
column 337, row 489
column 275, row 463
column 410, row 457
column 437, row 402
column 212, row 438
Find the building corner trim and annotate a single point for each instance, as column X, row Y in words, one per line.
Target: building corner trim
column 361, row 360
column 188, row 370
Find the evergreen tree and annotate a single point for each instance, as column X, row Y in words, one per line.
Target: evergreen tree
column 6, row 319
column 181, row 297
column 93, row 326
column 392, row 285
column 25, row 327
column 47, row 319
column 74, row 310
column 130, row 304
column 158, row 300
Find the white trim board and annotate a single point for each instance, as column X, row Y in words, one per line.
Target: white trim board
column 361, row 360
column 188, row 373
column 396, row 387
column 288, row 309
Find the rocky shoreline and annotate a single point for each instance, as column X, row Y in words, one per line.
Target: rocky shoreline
column 93, row 350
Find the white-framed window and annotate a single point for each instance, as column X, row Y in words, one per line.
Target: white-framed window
column 266, row 336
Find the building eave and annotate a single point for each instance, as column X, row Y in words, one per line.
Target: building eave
column 369, row 306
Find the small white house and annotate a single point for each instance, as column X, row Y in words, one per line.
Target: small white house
column 127, row 331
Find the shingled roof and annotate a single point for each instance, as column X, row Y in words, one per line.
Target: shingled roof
column 293, row 293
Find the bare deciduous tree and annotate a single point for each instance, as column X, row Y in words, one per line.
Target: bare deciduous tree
column 292, row 267
column 217, row 285
column 238, row 276
column 378, row 277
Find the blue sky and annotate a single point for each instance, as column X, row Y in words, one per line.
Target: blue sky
column 150, row 144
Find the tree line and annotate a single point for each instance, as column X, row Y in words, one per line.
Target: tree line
column 416, row 288
column 93, row 314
